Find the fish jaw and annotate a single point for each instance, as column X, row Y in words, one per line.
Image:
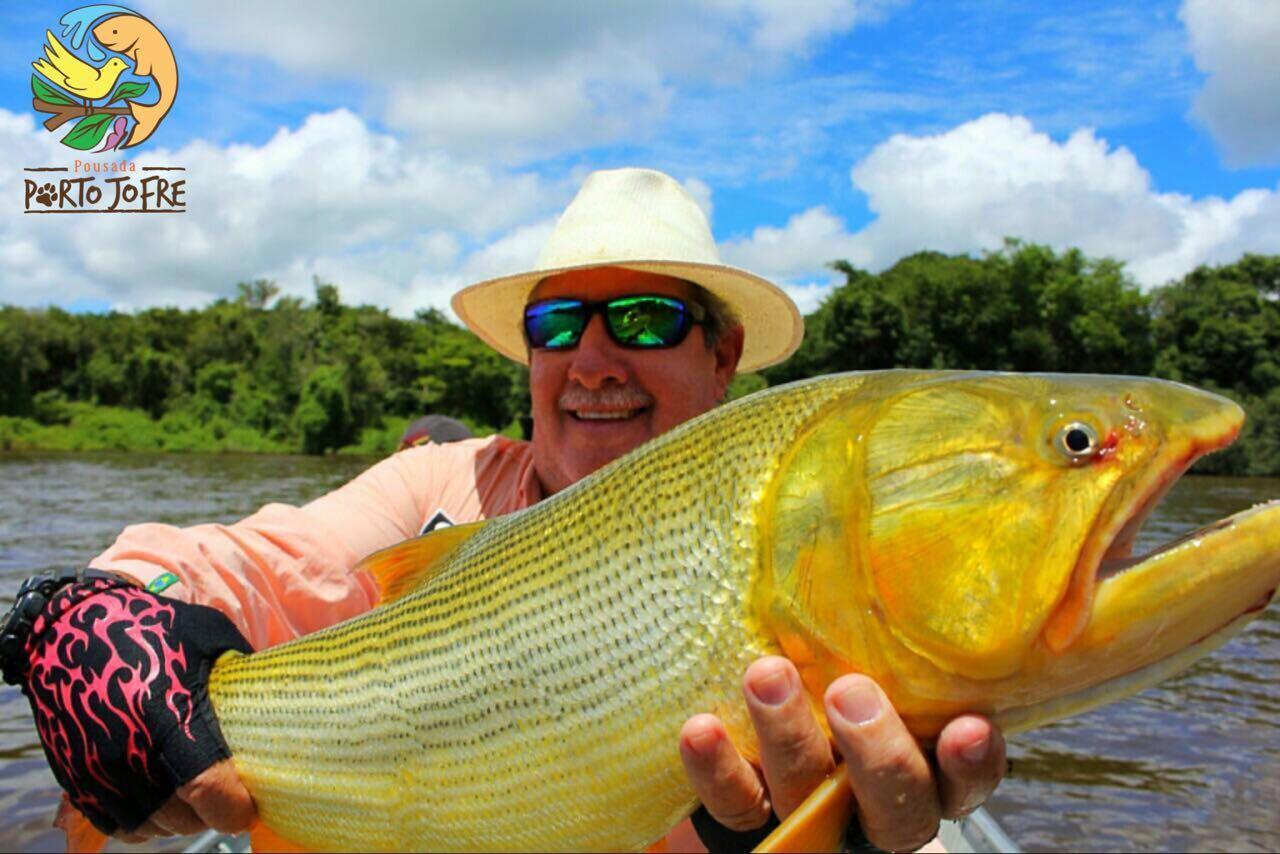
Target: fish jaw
column 1207, row 423
column 1159, row 616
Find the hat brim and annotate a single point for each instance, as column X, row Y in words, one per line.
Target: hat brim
column 772, row 325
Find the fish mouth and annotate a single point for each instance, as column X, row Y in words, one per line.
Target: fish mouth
column 1111, row 568
column 1150, row 616
column 1109, row 547
column 1118, row 555
column 1157, row 615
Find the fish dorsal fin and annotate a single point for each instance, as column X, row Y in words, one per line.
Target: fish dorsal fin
column 403, row 568
column 819, row 823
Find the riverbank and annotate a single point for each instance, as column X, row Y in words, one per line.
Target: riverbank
column 86, row 427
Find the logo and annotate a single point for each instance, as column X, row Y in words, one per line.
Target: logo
column 110, row 76
column 114, row 76
column 439, row 520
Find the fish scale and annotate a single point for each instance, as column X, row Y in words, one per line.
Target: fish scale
column 530, row 695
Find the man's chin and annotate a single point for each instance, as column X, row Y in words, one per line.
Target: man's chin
column 598, row 444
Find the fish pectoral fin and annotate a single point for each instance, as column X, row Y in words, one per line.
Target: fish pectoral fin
column 403, row 568
column 819, row 823
column 263, row 838
column 82, row 836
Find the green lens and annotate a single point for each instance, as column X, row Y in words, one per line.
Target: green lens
column 647, row 321
column 554, row 323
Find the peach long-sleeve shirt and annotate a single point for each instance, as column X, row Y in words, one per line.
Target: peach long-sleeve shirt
column 287, row 571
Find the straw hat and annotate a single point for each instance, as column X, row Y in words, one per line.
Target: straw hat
column 641, row 220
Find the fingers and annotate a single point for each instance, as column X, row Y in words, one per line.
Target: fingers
column 794, row 752
column 131, row 837
column 149, row 829
column 219, row 799
column 726, row 783
column 177, row 818
column 215, row 798
column 971, row 763
column 894, row 785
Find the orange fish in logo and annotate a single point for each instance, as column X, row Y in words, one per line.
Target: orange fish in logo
column 140, row 40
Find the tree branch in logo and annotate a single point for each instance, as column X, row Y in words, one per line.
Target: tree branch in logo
column 94, row 121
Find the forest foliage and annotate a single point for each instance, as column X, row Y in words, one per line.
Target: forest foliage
column 271, row 373
column 260, row 372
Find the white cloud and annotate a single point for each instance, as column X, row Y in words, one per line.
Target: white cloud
column 404, row 229
column 525, row 78
column 702, row 195
column 795, row 255
column 808, row 241
column 1235, row 43
column 790, row 25
column 967, row 189
column 995, row 177
column 331, row 198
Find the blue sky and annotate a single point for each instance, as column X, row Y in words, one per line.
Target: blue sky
column 811, row 129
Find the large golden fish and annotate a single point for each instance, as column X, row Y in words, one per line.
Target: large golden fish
column 963, row 538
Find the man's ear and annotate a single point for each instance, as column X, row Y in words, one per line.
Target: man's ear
column 728, row 352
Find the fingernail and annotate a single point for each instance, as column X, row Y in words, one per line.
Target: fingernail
column 773, row 687
column 858, row 704
column 976, row 752
column 703, row 743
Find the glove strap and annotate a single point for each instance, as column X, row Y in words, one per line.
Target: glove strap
column 27, row 619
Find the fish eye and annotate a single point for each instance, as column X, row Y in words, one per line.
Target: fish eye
column 1077, row 440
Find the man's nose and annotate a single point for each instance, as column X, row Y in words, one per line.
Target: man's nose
column 596, row 359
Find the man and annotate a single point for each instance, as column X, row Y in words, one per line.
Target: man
column 630, row 326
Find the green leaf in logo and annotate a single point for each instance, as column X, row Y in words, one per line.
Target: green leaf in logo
column 88, row 132
column 47, row 93
column 127, row 91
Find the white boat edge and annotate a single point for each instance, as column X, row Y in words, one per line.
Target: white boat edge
column 977, row 833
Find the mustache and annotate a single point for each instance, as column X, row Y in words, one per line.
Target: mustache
column 613, row 397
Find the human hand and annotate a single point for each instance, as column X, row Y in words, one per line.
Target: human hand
column 900, row 797
column 116, row 677
column 215, row 799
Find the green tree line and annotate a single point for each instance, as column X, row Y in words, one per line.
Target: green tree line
column 263, row 372
column 256, row 373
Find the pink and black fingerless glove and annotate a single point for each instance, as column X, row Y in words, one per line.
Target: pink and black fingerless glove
column 117, row 678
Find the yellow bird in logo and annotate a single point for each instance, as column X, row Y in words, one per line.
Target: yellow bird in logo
column 74, row 74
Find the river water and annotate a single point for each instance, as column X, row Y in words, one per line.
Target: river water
column 1193, row 764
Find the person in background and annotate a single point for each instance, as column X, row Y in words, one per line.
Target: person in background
column 630, row 326
column 440, row 429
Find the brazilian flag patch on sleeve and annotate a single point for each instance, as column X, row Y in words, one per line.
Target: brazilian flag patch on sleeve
column 161, row 583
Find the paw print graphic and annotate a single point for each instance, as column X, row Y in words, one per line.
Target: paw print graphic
column 47, row 195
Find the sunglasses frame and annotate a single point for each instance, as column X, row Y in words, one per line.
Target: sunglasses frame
column 692, row 313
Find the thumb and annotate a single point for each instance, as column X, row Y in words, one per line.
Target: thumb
column 220, row 799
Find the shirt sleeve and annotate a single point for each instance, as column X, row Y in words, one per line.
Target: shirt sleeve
column 286, row 571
